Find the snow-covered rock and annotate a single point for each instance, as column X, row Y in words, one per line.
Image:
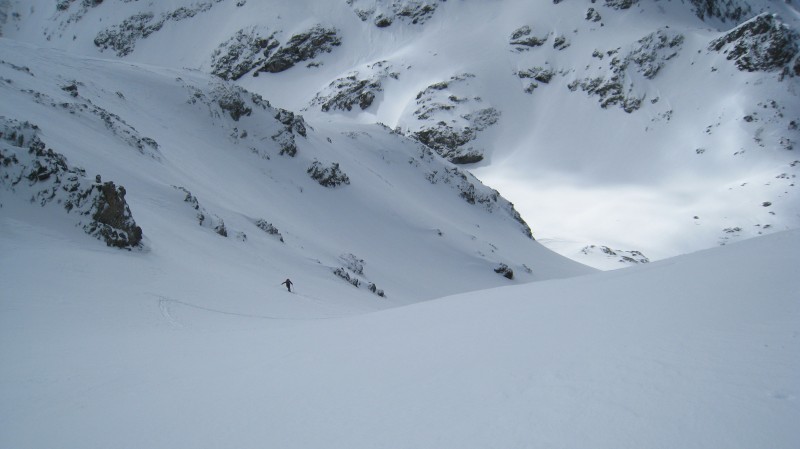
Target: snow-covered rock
column 29, row 168
column 449, row 119
column 385, row 12
column 763, row 43
column 355, row 89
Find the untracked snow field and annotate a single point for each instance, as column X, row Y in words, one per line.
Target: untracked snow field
column 103, row 348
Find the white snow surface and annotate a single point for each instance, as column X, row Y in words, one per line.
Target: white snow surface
column 191, row 341
column 107, row 349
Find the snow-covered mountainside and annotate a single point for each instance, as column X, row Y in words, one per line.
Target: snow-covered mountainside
column 165, row 166
column 653, row 126
column 174, row 161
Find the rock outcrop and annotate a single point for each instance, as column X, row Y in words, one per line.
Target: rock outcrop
column 29, row 167
column 763, row 44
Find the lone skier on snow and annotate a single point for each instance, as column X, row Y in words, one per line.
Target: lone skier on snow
column 288, row 284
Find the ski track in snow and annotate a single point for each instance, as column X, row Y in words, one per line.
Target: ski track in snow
column 163, row 306
column 166, row 311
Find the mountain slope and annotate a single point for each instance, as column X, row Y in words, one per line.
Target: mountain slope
column 663, row 127
column 208, row 168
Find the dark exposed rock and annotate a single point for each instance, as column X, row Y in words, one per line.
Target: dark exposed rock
column 385, row 12
column 450, row 142
column 647, row 57
column 242, row 53
column 629, row 257
column 560, row 43
column 293, row 122
column 331, row 176
column 286, row 143
column 733, row 10
column 446, row 141
column 302, row 47
column 471, row 190
column 23, row 156
column 269, row 228
column 621, row 4
column 653, row 50
column 71, row 88
column 285, row 137
column 467, row 187
column 238, row 103
column 505, row 271
column 231, row 101
column 112, row 220
column 122, row 37
column 342, row 273
column 538, row 74
column 355, row 89
column 353, row 273
column 761, row 44
column 204, row 218
column 66, row 5
column 523, row 39
column 352, row 91
column 416, row 11
column 382, row 21
column 448, row 136
column 353, row 263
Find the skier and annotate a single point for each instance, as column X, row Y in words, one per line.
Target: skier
column 288, row 284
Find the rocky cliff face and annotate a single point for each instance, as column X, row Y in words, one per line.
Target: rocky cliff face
column 28, row 167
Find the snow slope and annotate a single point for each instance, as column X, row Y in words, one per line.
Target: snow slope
column 189, row 340
column 199, row 158
column 706, row 158
column 693, row 352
